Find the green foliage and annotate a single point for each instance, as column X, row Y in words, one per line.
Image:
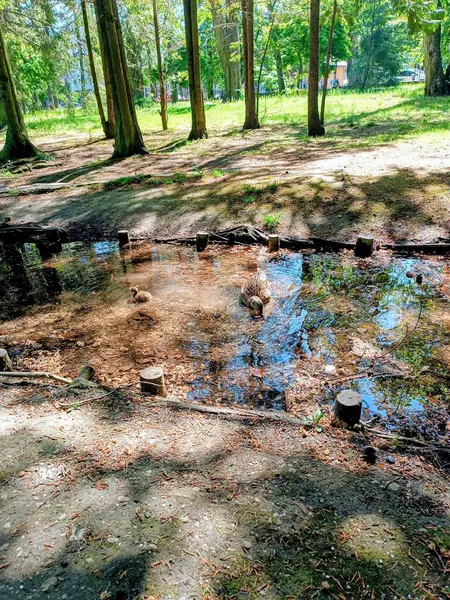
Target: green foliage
column 271, row 222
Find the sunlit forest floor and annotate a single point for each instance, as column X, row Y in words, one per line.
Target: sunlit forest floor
column 383, row 167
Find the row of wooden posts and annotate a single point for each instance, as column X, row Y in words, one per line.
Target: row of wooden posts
column 363, row 248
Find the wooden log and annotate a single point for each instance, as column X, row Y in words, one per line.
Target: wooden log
column 5, row 361
column 201, row 240
column 364, row 246
column 348, row 407
column 274, row 242
column 152, row 381
column 124, row 237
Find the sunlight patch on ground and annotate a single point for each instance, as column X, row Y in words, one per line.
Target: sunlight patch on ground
column 372, row 537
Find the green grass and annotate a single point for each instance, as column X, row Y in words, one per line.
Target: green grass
column 271, row 222
column 352, row 118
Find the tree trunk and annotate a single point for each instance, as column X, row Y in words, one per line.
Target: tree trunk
column 83, row 93
column 327, row 64
column 105, row 126
column 162, row 88
column 315, row 127
column 434, row 74
column 106, row 77
column 17, row 145
column 227, row 41
column 128, row 137
column 280, row 75
column 277, row 53
column 198, row 129
column 251, row 117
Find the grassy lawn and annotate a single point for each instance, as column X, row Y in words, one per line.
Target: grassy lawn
column 360, row 119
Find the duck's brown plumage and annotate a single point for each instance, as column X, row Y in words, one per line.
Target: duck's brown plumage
column 257, row 286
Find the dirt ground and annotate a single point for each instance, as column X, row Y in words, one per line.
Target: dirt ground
column 120, row 500
column 397, row 191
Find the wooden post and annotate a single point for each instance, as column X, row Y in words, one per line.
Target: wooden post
column 348, row 407
column 152, row 381
column 201, row 240
column 364, row 246
column 124, row 238
column 52, row 234
column 5, row 361
column 87, row 373
column 274, row 243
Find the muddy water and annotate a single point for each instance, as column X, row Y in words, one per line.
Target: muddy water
column 331, row 317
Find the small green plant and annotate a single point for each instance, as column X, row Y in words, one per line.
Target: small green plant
column 271, row 222
column 314, row 420
column 248, row 188
column 250, row 199
column 217, row 173
column 273, row 186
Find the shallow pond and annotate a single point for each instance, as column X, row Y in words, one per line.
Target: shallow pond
column 332, row 318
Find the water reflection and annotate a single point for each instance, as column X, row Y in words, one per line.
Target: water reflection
column 326, row 309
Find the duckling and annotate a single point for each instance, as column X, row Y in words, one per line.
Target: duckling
column 255, row 293
column 140, row 296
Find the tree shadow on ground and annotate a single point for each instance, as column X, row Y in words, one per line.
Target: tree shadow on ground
column 401, row 205
column 271, row 516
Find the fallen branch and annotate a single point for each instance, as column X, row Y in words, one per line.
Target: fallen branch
column 35, row 375
column 233, row 412
column 407, row 440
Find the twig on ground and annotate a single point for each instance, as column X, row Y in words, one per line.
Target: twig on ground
column 35, row 375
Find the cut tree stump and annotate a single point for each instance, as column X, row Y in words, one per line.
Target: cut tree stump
column 201, row 240
column 364, row 246
column 124, row 238
column 152, row 381
column 5, row 361
column 348, row 407
column 274, row 243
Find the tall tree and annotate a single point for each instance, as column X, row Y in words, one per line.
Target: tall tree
column 277, row 52
column 17, row 144
column 315, row 127
column 83, row 91
column 327, row 63
column 106, row 126
column 128, row 137
column 434, row 74
column 251, row 117
column 198, row 129
column 162, row 87
column 227, row 41
column 106, row 77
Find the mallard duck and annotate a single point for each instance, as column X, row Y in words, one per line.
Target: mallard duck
column 256, row 292
column 140, row 296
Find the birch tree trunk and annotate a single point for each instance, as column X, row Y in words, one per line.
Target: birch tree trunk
column 128, row 137
column 251, row 117
column 315, row 127
column 17, row 144
column 198, row 129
